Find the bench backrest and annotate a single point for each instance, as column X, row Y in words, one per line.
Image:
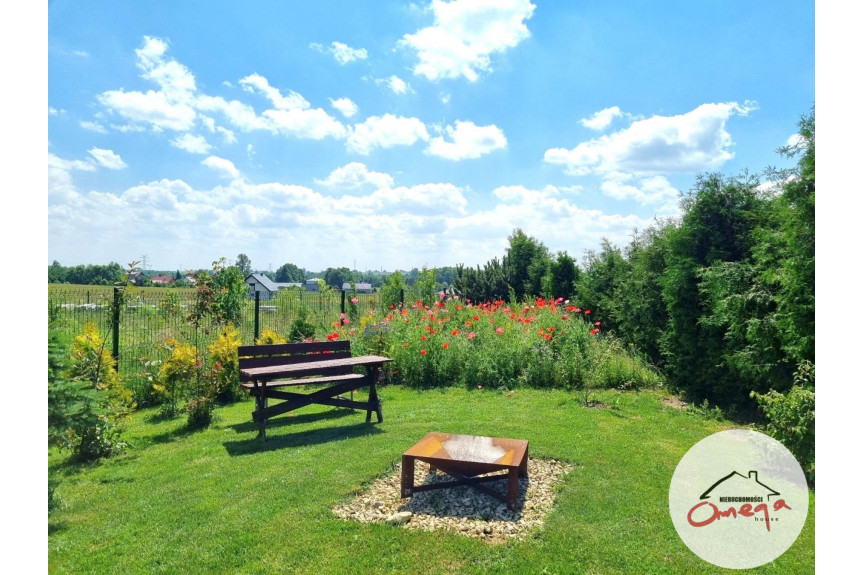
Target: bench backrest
column 289, row 353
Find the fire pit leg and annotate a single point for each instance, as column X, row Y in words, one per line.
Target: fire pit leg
column 512, row 491
column 407, row 475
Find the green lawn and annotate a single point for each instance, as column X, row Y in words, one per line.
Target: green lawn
column 220, row 501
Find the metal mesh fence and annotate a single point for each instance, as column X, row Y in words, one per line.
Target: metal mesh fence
column 152, row 316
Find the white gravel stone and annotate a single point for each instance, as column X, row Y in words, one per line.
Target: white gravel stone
column 459, row 509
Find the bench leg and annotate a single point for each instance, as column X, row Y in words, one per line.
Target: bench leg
column 374, row 400
column 261, row 404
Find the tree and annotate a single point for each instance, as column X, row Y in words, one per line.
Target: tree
column 336, row 277
column 56, row 273
column 525, row 264
column 289, row 273
column 426, row 285
column 244, row 264
column 564, row 275
column 796, row 301
column 392, row 289
column 718, row 224
column 598, row 287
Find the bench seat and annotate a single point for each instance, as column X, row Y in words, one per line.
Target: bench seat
column 303, row 381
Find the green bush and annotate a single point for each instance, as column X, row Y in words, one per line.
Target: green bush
column 86, row 399
column 301, row 329
column 791, row 417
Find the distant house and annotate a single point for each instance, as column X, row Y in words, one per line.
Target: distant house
column 136, row 278
column 362, row 287
column 312, row 285
column 161, row 280
column 265, row 286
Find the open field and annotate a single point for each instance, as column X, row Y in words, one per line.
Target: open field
column 220, row 501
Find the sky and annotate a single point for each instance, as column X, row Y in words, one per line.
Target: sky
column 395, row 135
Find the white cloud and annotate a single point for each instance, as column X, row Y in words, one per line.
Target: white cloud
column 128, row 128
column 52, row 111
column 689, row 142
column 154, row 108
column 107, row 159
column 170, row 107
column 465, row 34
column 313, row 124
column 602, row 119
column 257, row 83
column 227, row 135
column 192, row 144
column 795, row 141
column 240, row 115
column 395, row 84
column 356, row 175
column 221, row 166
column 178, row 106
column 345, row 105
column 341, row 52
column 93, row 127
column 185, row 227
column 57, row 163
column 385, row 132
column 653, row 190
column 292, row 115
column 466, row 140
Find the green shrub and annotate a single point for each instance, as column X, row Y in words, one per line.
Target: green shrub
column 791, row 417
column 176, row 374
column 87, row 402
column 224, row 365
column 301, row 329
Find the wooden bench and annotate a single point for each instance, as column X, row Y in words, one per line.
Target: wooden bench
column 266, row 368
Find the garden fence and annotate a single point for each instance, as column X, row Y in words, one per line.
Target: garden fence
column 136, row 332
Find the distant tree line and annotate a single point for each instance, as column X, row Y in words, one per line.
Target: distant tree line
column 85, row 274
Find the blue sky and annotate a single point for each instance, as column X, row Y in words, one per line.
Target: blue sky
column 393, row 135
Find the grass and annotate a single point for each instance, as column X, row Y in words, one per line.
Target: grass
column 220, row 501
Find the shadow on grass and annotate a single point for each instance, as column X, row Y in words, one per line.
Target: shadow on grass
column 283, row 420
column 175, row 434
column 55, row 526
column 300, row 438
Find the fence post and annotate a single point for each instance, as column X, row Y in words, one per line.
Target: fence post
column 115, row 328
column 402, row 297
column 343, row 301
column 257, row 314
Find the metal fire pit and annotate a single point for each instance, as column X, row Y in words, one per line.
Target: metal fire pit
column 468, row 458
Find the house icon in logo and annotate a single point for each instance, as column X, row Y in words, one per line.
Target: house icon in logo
column 735, row 485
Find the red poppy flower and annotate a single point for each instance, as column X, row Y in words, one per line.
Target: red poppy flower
column 422, row 351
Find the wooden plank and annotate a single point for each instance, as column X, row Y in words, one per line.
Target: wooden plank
column 268, row 360
column 293, row 348
column 304, row 400
column 315, row 368
column 309, row 381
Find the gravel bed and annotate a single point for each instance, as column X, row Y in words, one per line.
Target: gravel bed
column 461, row 509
